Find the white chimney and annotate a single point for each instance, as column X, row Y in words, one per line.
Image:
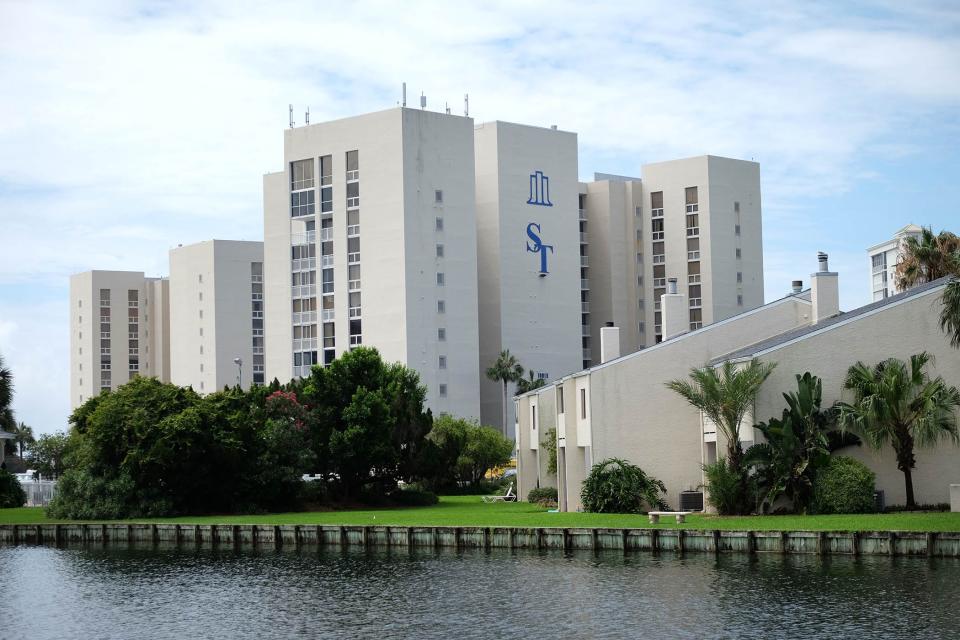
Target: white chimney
column 797, row 286
column 824, row 291
column 673, row 308
column 609, row 342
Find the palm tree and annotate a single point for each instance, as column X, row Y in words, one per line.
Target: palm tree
column 24, row 437
column 927, row 257
column 950, row 313
column 724, row 395
column 899, row 404
column 529, row 384
column 505, row 369
column 6, row 398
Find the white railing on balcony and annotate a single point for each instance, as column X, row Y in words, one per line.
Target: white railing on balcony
column 305, row 344
column 693, row 232
column 696, row 303
column 305, row 317
column 584, row 330
column 353, row 203
column 256, row 296
column 587, row 354
column 583, row 237
column 353, row 285
column 303, row 264
column 693, row 208
column 354, row 312
column 133, row 335
column 304, row 291
column 657, row 329
column 356, row 340
column 657, row 235
column 353, row 258
column 326, row 261
column 659, row 258
column 353, row 175
column 693, row 278
column 104, row 351
column 133, row 304
column 327, row 315
column 326, row 234
column 583, row 214
column 105, row 319
column 659, row 282
column 584, row 284
column 584, row 261
column 656, row 305
column 353, row 230
column 306, row 237
column 104, row 335
column 584, row 307
column 133, row 351
column 693, row 255
column 656, row 213
column 696, row 325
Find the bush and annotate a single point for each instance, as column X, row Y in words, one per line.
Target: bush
column 616, row 486
column 543, row 495
column 11, row 493
column 725, row 487
column 899, row 508
column 845, row 485
column 412, row 497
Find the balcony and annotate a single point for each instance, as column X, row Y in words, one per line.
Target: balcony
column 693, row 208
column 355, row 312
column 304, row 291
column 307, row 237
column 657, row 235
column 356, row 340
column 659, row 258
column 696, row 303
column 693, row 232
column 659, row 282
column 353, row 176
column 693, row 255
column 584, row 307
column 693, row 278
column 305, row 317
column 583, row 237
column 353, row 230
column 353, row 285
column 353, row 258
column 583, row 214
column 658, row 329
column 305, row 344
column 584, row 261
column 353, row 203
column 656, row 213
column 326, row 233
column 305, row 264
column 587, row 354
column 327, row 315
column 585, row 330
column 584, row 284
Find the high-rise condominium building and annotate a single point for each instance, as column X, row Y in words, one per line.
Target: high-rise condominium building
column 216, row 314
column 697, row 220
column 528, row 254
column 883, row 262
column 119, row 328
column 370, row 237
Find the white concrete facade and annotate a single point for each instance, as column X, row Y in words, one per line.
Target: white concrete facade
column 528, row 254
column 216, row 314
column 623, row 409
column 884, row 258
column 119, row 328
column 374, row 219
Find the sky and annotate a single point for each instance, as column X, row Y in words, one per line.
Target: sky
column 127, row 128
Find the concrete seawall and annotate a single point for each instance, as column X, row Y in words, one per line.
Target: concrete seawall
column 888, row 543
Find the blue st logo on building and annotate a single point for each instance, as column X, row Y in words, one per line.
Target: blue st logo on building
column 539, row 190
column 533, row 232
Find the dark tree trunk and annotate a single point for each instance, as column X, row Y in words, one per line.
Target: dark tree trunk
column 906, row 463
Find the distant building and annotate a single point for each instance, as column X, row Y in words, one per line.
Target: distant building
column 884, row 258
column 216, row 314
column 119, row 328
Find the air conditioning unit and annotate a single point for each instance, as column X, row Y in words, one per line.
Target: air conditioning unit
column 691, row 501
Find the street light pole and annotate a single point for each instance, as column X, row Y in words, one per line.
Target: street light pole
column 239, row 363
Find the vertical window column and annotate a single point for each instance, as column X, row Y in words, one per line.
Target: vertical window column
column 587, row 353
column 658, row 259
column 303, row 268
column 133, row 331
column 105, row 355
column 256, row 320
column 353, row 247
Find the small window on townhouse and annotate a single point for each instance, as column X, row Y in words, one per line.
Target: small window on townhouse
column 438, row 196
column 583, row 404
column 739, row 300
column 739, row 254
column 440, row 279
column 736, row 230
column 441, row 306
column 201, row 385
column 442, row 362
column 439, row 224
column 736, row 207
column 201, row 314
column 559, row 399
column 441, row 334
column 443, row 391
column 439, row 250
column 533, row 417
column 739, row 276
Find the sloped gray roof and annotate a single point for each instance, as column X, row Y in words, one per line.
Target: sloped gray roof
column 793, row 334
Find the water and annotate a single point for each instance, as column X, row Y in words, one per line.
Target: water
column 112, row 592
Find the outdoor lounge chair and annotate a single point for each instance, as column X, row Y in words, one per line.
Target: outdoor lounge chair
column 509, row 496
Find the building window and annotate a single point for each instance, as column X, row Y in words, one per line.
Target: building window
column 739, row 254
column 200, row 278
column 441, row 306
column 736, row 229
column 442, row 362
column 692, row 199
column 441, row 334
column 353, row 165
column 559, row 399
column 739, row 276
column 439, row 224
column 326, row 170
column 656, row 204
column 739, row 300
column 736, row 207
column 301, row 174
column 583, row 404
column 201, row 296
column 439, row 250
column 440, row 279
column 438, row 196
column 443, row 391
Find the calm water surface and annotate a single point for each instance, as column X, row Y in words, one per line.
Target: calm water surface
column 92, row 592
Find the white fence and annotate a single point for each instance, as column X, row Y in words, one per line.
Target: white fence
column 39, row 492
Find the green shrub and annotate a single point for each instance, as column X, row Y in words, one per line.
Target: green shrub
column 725, row 487
column 11, row 493
column 616, row 486
column 413, row 497
column 899, row 508
column 845, row 485
column 543, row 495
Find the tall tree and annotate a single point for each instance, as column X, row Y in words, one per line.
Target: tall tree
column 529, row 383
column 724, row 395
column 7, row 422
column 505, row 369
column 24, row 437
column 897, row 403
column 927, row 257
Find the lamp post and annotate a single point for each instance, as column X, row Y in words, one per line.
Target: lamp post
column 239, row 363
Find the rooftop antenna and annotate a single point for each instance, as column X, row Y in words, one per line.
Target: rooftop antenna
column 307, row 114
column 404, row 94
column 466, row 105
column 291, row 116
column 447, row 107
column 423, row 101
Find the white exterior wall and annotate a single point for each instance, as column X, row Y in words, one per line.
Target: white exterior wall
column 150, row 354
column 211, row 314
column 536, row 317
column 405, row 156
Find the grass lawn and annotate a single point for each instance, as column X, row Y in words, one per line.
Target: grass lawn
column 469, row 511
